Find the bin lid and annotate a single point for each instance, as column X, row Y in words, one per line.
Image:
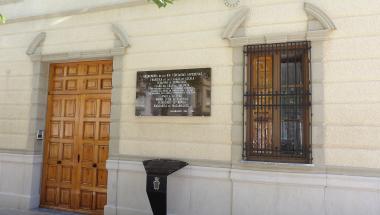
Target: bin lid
column 163, row 167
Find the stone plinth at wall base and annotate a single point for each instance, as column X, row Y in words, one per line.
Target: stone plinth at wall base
column 11, row 200
column 223, row 191
column 191, row 190
column 20, row 176
column 111, row 210
column 206, row 191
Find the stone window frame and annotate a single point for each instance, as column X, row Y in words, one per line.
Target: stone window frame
column 319, row 27
column 266, row 98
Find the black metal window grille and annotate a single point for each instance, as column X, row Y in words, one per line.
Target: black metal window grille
column 277, row 102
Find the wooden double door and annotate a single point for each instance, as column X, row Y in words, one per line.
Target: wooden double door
column 77, row 137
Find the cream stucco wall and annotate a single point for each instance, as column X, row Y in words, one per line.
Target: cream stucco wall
column 346, row 73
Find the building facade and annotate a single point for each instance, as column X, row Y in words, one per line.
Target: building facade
column 69, row 68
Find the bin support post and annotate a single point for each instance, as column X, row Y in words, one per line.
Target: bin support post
column 156, row 182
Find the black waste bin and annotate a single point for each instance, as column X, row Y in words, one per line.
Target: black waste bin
column 156, row 180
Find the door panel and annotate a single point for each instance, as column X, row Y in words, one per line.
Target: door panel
column 59, row 162
column 77, row 135
column 81, row 78
column 94, row 130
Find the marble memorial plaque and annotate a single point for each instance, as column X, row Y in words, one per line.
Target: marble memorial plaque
column 185, row 92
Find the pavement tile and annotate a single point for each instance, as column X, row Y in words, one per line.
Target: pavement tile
column 39, row 211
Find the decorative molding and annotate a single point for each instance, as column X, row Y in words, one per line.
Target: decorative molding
column 119, row 34
column 319, row 15
column 235, row 22
column 37, row 42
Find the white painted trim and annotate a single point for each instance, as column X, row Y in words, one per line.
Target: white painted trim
column 36, row 42
column 235, row 22
column 319, row 15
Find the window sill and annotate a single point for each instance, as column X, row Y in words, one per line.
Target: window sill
column 278, row 167
column 271, row 163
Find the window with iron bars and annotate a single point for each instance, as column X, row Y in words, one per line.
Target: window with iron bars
column 277, row 102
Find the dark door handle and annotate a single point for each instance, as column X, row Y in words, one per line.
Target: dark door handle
column 59, row 162
column 94, row 165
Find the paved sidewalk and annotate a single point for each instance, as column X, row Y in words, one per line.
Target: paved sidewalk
column 39, row 211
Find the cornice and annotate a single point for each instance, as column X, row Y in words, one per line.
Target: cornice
column 4, row 2
column 72, row 12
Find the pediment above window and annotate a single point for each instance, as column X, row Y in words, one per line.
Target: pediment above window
column 318, row 20
column 319, row 25
column 236, row 21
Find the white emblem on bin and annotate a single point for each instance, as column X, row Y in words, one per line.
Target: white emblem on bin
column 156, row 183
